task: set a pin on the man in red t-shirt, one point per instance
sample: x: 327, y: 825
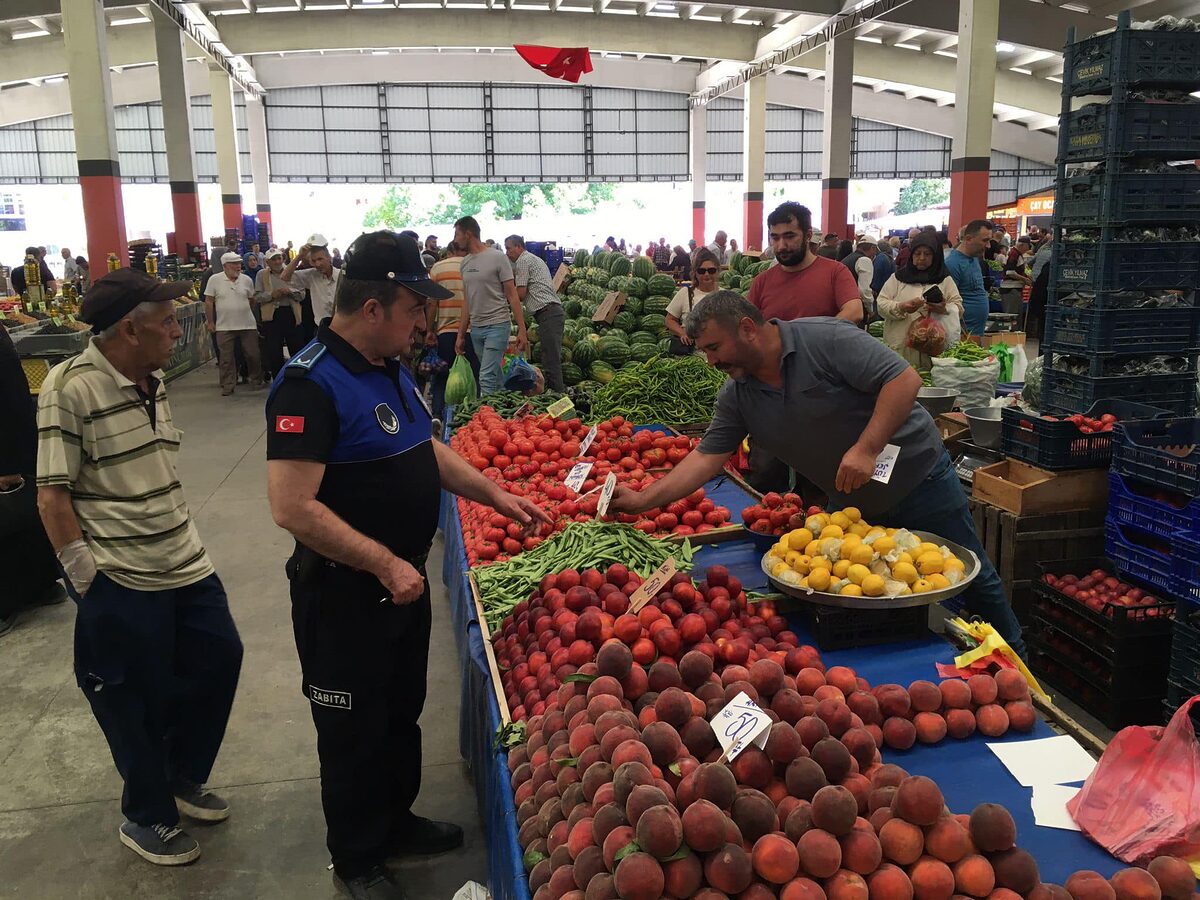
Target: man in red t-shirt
x: 801, y: 284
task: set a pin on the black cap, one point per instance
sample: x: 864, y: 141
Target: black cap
x: 118, y: 293
x: 387, y: 256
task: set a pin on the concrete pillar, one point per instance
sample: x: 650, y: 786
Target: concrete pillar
x: 95, y: 136
x: 975, y: 89
x: 256, y: 122
x: 837, y: 135
x: 177, y: 125
x: 225, y: 135
x: 754, y: 161
x: 698, y: 146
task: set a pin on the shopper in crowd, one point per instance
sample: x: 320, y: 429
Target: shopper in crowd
x: 492, y: 305
x: 922, y: 286
x: 861, y: 264
x: 289, y: 253
x: 320, y: 280
x: 229, y: 314
x: 827, y: 399
x: 41, y: 252
x: 620, y: 248
x: 720, y: 248
x: 535, y: 288
x: 681, y: 264
x: 845, y: 248
x: 256, y: 253
x: 733, y: 247
x: 69, y: 265
x: 359, y: 487
x: 829, y: 246
x: 336, y: 258
x: 430, y: 254
x: 17, y: 274
x: 1001, y: 237
x: 83, y: 274
x: 1043, y: 251
x: 963, y: 263
x: 692, y: 245
x: 32, y: 579
x: 1012, y: 287
x: 662, y: 256
x: 443, y: 319
x: 706, y: 271
x: 884, y: 266
x: 279, y: 307
x: 611, y: 244
x: 157, y: 654
x: 1035, y: 313
x: 637, y: 250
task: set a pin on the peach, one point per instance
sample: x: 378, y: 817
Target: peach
x: 820, y: 853
x: 802, y: 889
x: 607, y: 818
x: 588, y: 864
x: 804, y: 777
x: 728, y: 869
x: 833, y: 758
x: 1089, y: 885
x: 562, y: 881
x: 808, y: 680
x: 697, y: 735
x: 925, y: 696
x: 767, y: 677
x: 683, y: 877
x: 960, y: 723
x: 580, y: 837
x: 1174, y: 876
x: 1134, y: 884
x: 799, y: 820
x: 931, y: 727
x: 641, y: 799
x: 753, y: 767
x: 783, y: 744
x: 673, y: 707
x: 846, y: 885
x: 1045, y: 891
x: 619, y: 838
x: 973, y: 876
x: 614, y: 659
x: 992, y: 720
x: 865, y: 706
x: 754, y: 814
x: 1011, y: 685
x: 932, y: 879
x: 860, y: 787
x: 663, y: 742
x: 628, y: 776
x: 893, y: 700
x: 788, y: 705
x: 898, y: 733
x: 861, y: 745
x: 881, y: 817
x: 983, y: 689
x: 716, y: 783
x: 902, y: 842
x: 834, y: 809
x: 992, y: 828
x: 946, y: 840
x: 889, y: 882
x: 918, y: 800
x: 1020, y: 715
x: 1018, y: 871
x: 956, y: 694
x: 659, y: 831
x: 639, y: 877
x: 703, y: 826
x: 695, y: 668
x: 775, y: 858
x: 861, y: 851
x: 888, y: 775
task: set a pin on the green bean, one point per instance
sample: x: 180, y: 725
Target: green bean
x: 966, y: 351
x: 505, y: 403
x: 666, y: 390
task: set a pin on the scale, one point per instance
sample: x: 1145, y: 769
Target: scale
x: 969, y: 457
x: 998, y: 322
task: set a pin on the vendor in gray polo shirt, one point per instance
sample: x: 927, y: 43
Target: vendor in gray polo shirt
x: 825, y: 397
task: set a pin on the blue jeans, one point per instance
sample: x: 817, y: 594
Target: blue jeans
x: 938, y: 505
x: 490, y: 341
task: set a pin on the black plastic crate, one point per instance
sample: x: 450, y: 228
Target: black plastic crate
x: 1163, y: 452
x: 1113, y: 265
x: 1109, y: 365
x: 1066, y: 394
x: 1133, y: 127
x: 1073, y: 297
x: 834, y: 628
x: 1113, y: 628
x: 1135, y: 705
x: 1071, y: 330
x: 1177, y: 695
x: 1185, y: 654
x: 1058, y: 446
x: 1150, y: 658
x: 1129, y: 197
x: 1132, y: 57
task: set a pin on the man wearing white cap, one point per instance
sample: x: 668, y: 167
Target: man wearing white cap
x: 321, y: 281
x: 229, y: 311
x: 279, y: 306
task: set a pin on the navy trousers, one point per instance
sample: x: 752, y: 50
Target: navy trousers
x: 159, y: 669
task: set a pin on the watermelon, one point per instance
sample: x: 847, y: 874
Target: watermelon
x: 633, y: 305
x: 598, y: 277
x: 583, y: 354
x: 654, y: 323
x: 572, y: 308
x: 601, y: 371
x: 532, y: 334
x: 567, y: 356
x: 726, y: 279
x: 617, y: 334
x: 738, y: 262
x: 620, y: 266
x: 613, y: 350
x: 656, y: 305
x: 643, y: 352
x: 571, y: 374
x: 582, y: 257
x: 661, y: 285
x: 637, y: 287
x: 625, y: 321
x: 664, y: 346
x: 643, y: 267
x: 599, y: 259
x: 642, y: 337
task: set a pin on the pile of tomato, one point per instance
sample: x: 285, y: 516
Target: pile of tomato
x: 777, y: 513
x: 1087, y: 425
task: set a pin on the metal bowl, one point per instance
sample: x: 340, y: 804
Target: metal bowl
x: 985, y: 425
x: 936, y: 400
x: 818, y: 598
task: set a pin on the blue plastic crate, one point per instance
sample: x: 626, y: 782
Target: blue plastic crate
x: 1110, y: 265
x: 1133, y: 128
x: 1155, y: 568
x: 1105, y: 365
x: 1068, y: 296
x: 1065, y: 394
x: 1073, y: 330
x: 1140, y: 451
x: 1128, y: 504
x: 1134, y: 57
x: 1129, y: 197
x: 1185, y: 566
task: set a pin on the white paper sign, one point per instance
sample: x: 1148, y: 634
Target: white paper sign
x: 610, y: 485
x: 741, y: 724
x: 1049, y: 804
x: 885, y: 463
x: 578, y: 475
x: 587, y: 441
x: 1052, y: 760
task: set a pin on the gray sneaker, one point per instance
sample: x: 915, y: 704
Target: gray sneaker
x: 198, y: 802
x: 163, y: 845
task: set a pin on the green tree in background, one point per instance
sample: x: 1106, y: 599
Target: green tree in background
x: 469, y: 200
x: 921, y: 193
x: 394, y: 210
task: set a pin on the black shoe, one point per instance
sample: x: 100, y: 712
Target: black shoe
x: 163, y: 845
x: 53, y: 596
x: 421, y: 836
x: 195, y: 801
x: 377, y: 884
x: 6, y: 624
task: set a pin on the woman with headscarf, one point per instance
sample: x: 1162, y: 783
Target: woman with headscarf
x: 922, y: 285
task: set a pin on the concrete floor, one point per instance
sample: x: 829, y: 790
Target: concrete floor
x: 59, y: 791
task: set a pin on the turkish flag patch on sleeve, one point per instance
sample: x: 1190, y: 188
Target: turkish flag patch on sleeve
x: 289, y: 424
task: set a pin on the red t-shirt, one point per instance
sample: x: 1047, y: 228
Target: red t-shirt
x: 822, y: 289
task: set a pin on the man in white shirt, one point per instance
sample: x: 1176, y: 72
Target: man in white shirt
x: 720, y: 248
x: 229, y: 313
x: 321, y: 281
x: 70, y: 268
x: 862, y: 263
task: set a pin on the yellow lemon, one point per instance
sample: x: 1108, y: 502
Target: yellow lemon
x: 816, y: 523
x: 821, y: 562
x: 904, y: 557
x: 929, y: 563
x: 852, y: 513
x: 905, y: 591
x: 776, y: 552
x: 831, y: 531
x: 804, y: 582
x: 857, y: 573
x: 938, y: 581
x: 818, y: 579
x: 926, y: 547
x: 799, y: 539
x: 840, y: 568
x: 851, y: 590
x: 905, y: 572
x: 840, y: 519
x: 862, y: 529
x: 813, y: 548
x: 890, y: 532
x: 862, y: 554
x: 872, y: 586
x: 850, y: 540
x: 803, y: 564
x: 793, y: 556
x: 921, y: 586
x: 953, y: 563
x: 779, y: 568
x: 883, y: 545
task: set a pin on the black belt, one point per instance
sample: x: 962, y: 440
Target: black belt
x: 308, y: 560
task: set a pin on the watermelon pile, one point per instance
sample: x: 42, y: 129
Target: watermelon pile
x: 742, y: 271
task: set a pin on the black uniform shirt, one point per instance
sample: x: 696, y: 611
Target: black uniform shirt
x: 371, y: 428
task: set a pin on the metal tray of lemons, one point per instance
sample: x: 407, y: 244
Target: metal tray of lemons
x: 838, y: 559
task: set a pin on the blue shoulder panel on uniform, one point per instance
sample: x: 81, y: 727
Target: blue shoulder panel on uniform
x: 308, y: 356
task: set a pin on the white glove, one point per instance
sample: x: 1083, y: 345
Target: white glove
x: 79, y: 564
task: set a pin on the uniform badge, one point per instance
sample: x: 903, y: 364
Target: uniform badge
x: 387, y: 418
x: 308, y: 356
x: 289, y: 424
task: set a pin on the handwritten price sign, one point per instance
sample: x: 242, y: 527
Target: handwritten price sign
x: 606, y: 494
x: 578, y: 475
x: 652, y: 585
x: 741, y: 724
x: 587, y: 441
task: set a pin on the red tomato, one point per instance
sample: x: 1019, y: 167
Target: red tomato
x: 692, y: 518
x: 666, y: 521
x: 772, y: 500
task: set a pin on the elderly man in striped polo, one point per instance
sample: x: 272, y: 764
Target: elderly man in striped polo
x: 156, y: 651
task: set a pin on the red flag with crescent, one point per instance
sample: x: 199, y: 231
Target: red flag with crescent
x: 567, y: 63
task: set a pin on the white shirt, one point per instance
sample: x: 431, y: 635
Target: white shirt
x: 322, y: 290
x: 70, y: 267
x: 680, y: 306
x: 722, y: 255
x: 232, y: 300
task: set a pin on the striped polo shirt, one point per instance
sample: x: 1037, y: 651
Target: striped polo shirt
x: 448, y: 273
x: 96, y: 437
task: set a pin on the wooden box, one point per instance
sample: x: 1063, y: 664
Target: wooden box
x: 1026, y: 490
x: 952, y: 427
x: 1012, y: 338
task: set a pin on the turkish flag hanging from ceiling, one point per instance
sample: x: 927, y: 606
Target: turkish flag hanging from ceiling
x: 567, y: 63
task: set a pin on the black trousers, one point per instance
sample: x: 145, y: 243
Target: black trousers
x: 159, y: 669
x: 364, y: 665
x: 282, y: 329
x: 36, y: 568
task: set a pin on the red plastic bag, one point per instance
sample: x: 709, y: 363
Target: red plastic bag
x: 927, y: 335
x: 1143, y: 798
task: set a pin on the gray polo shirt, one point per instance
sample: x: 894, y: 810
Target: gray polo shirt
x: 832, y: 375
x: 483, y: 276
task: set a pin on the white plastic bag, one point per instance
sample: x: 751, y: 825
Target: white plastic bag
x: 974, y: 382
x: 950, y: 320
x: 1020, y: 363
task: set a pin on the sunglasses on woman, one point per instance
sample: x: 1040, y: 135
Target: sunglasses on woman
x: 707, y: 270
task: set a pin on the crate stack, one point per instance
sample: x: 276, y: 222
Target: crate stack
x: 1121, y: 316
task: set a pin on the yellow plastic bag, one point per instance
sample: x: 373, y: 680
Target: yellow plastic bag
x: 991, y: 642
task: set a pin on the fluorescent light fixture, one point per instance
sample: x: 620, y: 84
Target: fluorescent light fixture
x: 132, y: 20
x: 1075, y: 7
x: 907, y: 46
x: 665, y: 7
x: 1021, y: 71
x: 868, y: 38
x: 1005, y: 47
x: 947, y: 53
x: 373, y: 2
x: 55, y: 79
x: 379, y: 53
x: 1057, y: 79
x: 22, y: 35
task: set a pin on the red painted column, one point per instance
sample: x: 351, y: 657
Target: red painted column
x: 752, y: 219
x: 185, y: 205
x: 264, y: 215
x: 103, y: 212
x: 835, y: 206
x: 968, y: 191
x: 698, y: 222
x: 231, y: 211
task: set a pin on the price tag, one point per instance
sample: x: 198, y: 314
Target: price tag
x: 2, y: 315
x: 55, y: 320
x: 558, y: 407
x: 587, y: 441
x: 610, y: 485
x: 652, y: 585
x: 885, y: 463
x: 741, y: 724
x: 525, y: 409
x: 578, y: 475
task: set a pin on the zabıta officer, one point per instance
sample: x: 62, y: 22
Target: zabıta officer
x: 355, y: 476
